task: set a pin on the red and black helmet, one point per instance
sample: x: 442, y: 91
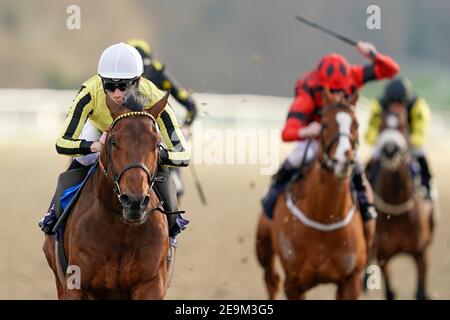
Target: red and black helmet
x: 333, y: 72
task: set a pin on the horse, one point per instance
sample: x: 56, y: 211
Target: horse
x: 317, y: 231
x: 404, y: 223
x: 116, y: 238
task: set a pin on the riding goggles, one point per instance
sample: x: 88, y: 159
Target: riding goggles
x: 121, y: 84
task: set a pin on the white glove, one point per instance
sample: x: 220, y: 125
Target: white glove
x: 311, y: 131
x: 367, y: 49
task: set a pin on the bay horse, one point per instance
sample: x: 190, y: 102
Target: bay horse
x: 115, y: 236
x: 404, y: 224
x: 316, y: 230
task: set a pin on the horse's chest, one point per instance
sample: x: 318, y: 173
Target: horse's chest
x: 122, y: 272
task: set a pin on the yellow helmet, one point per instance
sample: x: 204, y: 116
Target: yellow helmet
x: 141, y: 45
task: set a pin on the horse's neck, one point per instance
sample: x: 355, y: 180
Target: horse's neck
x: 328, y: 197
x: 394, y: 186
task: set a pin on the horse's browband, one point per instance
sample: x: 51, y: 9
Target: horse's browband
x: 131, y: 114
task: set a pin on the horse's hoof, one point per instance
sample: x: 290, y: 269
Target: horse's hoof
x: 390, y: 295
x: 422, y: 296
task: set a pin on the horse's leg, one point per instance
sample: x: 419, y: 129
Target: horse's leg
x: 350, y: 288
x: 49, y: 251
x: 149, y: 290
x: 293, y: 290
x: 266, y: 256
x: 389, y: 294
x: 74, y: 294
x: 421, y: 262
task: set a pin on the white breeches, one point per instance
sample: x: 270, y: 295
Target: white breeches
x: 89, y: 133
x: 296, y: 155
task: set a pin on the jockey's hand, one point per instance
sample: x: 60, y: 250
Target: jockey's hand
x: 163, y: 154
x: 97, y: 146
x: 367, y: 49
x: 311, y: 131
x: 102, y: 139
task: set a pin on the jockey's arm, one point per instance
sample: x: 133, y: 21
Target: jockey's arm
x: 420, y: 119
x: 298, y: 117
x: 166, y: 82
x: 382, y: 67
x: 374, y: 122
x: 176, y: 153
x: 68, y: 142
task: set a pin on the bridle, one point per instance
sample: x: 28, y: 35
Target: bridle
x: 326, y: 162
x: 151, y: 177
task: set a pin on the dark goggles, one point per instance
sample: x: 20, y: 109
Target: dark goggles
x: 121, y: 84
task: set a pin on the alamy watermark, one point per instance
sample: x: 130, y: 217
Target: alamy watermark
x: 373, y: 280
x: 373, y: 21
x: 73, y: 21
x: 236, y: 146
x: 73, y: 277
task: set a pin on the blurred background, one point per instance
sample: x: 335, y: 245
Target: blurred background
x: 242, y: 59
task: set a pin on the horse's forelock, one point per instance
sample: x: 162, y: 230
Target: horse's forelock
x: 133, y: 100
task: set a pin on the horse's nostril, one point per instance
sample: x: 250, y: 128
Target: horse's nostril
x: 390, y: 150
x: 145, y: 202
x: 125, y: 200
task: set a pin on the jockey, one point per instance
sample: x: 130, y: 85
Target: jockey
x: 399, y: 92
x: 120, y: 67
x: 303, y: 120
x: 157, y: 73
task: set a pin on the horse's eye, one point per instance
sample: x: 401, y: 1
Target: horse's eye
x: 113, y: 142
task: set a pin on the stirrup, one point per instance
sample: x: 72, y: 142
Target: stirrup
x: 48, y: 222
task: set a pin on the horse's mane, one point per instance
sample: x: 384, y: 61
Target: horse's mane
x: 134, y: 100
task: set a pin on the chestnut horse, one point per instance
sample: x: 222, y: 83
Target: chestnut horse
x: 115, y: 237
x: 317, y: 230
x: 404, y: 224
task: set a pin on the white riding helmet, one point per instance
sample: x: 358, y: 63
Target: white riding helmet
x: 120, y: 61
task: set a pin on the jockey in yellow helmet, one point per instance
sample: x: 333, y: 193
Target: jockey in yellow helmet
x: 120, y: 68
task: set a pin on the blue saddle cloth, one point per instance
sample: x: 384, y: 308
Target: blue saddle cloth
x: 69, y: 194
x: 68, y: 198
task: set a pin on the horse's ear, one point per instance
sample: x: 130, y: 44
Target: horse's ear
x: 114, y: 109
x: 353, y: 98
x: 159, y: 106
x: 327, y: 97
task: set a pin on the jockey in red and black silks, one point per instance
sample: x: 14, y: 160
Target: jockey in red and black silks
x: 335, y: 74
x: 338, y: 75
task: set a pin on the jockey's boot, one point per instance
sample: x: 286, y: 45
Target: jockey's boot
x: 430, y: 192
x: 279, y: 180
x: 48, y: 222
x: 166, y: 189
x: 368, y: 213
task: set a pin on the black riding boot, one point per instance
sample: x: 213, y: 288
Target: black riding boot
x: 279, y: 180
x: 366, y: 207
x: 425, y: 177
x: 359, y: 183
x: 168, y: 194
x: 48, y: 222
